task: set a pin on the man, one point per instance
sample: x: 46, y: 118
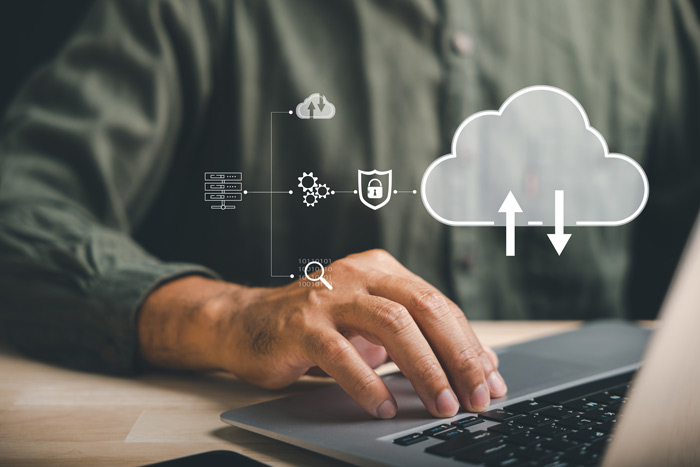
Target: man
x: 109, y: 255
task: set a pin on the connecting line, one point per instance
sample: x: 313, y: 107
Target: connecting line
x: 291, y: 276
x: 246, y: 192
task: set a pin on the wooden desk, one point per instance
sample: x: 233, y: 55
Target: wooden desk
x: 53, y: 416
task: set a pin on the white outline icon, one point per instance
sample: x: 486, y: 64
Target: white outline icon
x: 316, y: 107
x: 312, y: 191
x: 222, y: 187
x: 498, y: 113
x: 319, y: 278
x: 519, y: 134
x: 361, y: 188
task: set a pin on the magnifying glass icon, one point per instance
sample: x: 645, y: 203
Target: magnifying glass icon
x: 319, y: 278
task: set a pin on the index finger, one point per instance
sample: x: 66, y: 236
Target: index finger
x: 447, y: 331
x: 335, y: 355
x: 489, y: 359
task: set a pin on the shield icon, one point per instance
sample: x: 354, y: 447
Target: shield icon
x: 374, y: 188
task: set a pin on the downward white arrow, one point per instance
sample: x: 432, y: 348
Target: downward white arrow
x: 559, y: 239
x: 510, y: 206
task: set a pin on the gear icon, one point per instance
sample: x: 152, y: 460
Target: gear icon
x: 322, y: 190
x: 310, y: 199
x: 307, y: 182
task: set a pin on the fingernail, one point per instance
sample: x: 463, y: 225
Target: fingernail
x: 386, y: 409
x: 480, y: 398
x: 447, y: 404
x: 496, y: 384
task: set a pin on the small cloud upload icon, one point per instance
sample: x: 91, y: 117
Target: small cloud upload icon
x: 316, y: 106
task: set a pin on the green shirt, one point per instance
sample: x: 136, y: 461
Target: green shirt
x: 103, y: 153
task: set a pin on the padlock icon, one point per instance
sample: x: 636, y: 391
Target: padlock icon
x: 375, y: 191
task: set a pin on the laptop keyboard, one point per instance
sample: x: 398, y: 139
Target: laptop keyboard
x: 565, y: 428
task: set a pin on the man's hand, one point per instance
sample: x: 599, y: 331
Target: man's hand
x: 270, y: 337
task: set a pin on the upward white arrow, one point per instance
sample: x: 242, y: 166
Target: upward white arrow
x: 559, y: 239
x: 510, y: 206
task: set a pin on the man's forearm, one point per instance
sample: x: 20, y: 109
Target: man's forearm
x: 179, y: 321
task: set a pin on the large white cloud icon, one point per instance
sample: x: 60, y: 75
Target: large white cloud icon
x: 539, y: 142
x: 315, y: 106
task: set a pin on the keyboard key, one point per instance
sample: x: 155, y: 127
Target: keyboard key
x: 552, y: 431
x: 577, y: 392
x: 508, y: 428
x: 576, y: 423
x: 582, y: 405
x: 605, y: 398
x: 437, y: 429
x: 460, y: 443
x: 534, y: 453
x: 562, y: 444
x: 467, y: 421
x: 620, y: 390
x: 526, y: 407
x: 601, y: 415
x: 558, y: 412
x: 499, y: 415
x: 588, y: 435
x: 600, y: 444
x: 557, y: 462
x: 526, y: 438
x: 482, y: 453
x: 584, y: 455
x: 451, y: 433
x: 535, y: 420
x: 507, y: 461
x: 606, y: 427
x: 413, y: 438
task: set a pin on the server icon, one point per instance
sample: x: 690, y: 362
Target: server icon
x: 223, y: 187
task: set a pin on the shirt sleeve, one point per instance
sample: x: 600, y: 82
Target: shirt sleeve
x: 84, y: 150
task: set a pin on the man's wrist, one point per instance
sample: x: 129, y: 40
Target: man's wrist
x: 178, y: 323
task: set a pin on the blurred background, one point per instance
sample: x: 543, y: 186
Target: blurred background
x: 31, y: 32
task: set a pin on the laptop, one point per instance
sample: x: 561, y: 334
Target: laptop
x: 577, y: 398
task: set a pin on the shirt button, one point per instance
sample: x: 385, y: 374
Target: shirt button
x: 465, y: 263
x: 462, y: 43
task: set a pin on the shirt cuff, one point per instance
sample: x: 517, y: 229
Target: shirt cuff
x: 122, y: 291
